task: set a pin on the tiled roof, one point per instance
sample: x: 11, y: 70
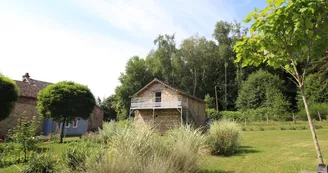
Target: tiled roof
x: 167, y: 85
x: 31, y: 87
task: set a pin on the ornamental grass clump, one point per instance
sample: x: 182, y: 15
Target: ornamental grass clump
x: 139, y: 149
x: 224, y: 137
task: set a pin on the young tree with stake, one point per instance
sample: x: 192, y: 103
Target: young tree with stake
x: 289, y: 34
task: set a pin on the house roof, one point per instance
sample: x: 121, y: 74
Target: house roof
x: 30, y: 87
x: 167, y: 85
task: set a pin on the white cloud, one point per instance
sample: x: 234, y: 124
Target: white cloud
x: 142, y: 19
x: 51, y: 52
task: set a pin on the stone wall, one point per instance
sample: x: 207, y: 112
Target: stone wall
x: 96, y: 119
x: 161, y: 119
x: 167, y: 94
x: 22, y: 105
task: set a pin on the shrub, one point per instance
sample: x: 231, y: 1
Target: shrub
x: 140, y: 149
x: 183, y: 145
x: 212, y: 114
x: 233, y: 115
x: 11, y: 153
x: 224, y: 137
x: 314, y: 109
x: 283, y: 128
x: 75, y: 156
x: 41, y: 163
x: 24, y: 134
x: 111, y: 128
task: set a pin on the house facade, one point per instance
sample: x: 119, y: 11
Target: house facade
x: 166, y: 107
x: 26, y: 104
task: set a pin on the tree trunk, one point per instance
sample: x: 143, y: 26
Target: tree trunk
x: 216, y: 100
x: 195, y: 82
x: 294, y: 120
x: 225, y: 85
x: 62, y: 131
x: 319, y: 115
x: 314, y: 135
x: 267, y: 117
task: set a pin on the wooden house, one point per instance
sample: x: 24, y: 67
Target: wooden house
x: 165, y: 106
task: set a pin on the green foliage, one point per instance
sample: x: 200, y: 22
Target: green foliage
x: 107, y: 106
x: 262, y: 94
x: 41, y: 163
x: 209, y: 101
x: 11, y: 153
x: 65, y: 102
x: 25, y: 134
x: 9, y: 93
x: 314, y: 109
x: 74, y: 157
x: 224, y: 137
x: 314, y: 91
x: 212, y: 114
x: 233, y: 115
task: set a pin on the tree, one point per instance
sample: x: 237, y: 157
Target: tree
x: 263, y: 90
x: 136, y: 76
x: 287, y: 34
x: 107, y: 107
x: 64, y: 102
x: 9, y: 93
x: 226, y: 34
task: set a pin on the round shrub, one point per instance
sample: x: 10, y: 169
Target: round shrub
x: 224, y: 137
x: 9, y: 93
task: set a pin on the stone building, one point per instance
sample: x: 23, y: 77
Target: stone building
x: 26, y: 104
x: 165, y: 106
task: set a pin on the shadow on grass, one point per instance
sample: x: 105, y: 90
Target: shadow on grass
x: 246, y: 150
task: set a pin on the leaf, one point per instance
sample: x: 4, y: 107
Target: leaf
x: 279, y: 2
x: 308, y: 24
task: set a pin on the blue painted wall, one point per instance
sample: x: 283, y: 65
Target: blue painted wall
x: 49, y: 127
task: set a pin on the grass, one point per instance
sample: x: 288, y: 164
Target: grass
x: 55, y: 148
x: 277, y: 125
x: 284, y: 151
x: 270, y: 151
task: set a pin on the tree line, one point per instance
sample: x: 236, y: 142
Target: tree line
x: 199, y: 66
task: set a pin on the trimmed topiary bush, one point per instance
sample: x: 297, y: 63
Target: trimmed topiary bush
x: 224, y: 137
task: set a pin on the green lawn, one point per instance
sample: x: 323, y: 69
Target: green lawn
x: 262, y: 151
x: 55, y: 148
x: 271, y: 151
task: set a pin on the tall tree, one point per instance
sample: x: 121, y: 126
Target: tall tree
x: 107, y: 106
x: 9, y: 93
x: 226, y: 34
x: 64, y: 102
x: 136, y: 76
x: 287, y: 34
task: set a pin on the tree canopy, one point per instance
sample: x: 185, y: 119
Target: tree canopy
x: 65, y: 101
x: 9, y: 93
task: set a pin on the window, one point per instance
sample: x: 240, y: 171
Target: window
x: 158, y: 96
x: 75, y: 123
x: 67, y: 125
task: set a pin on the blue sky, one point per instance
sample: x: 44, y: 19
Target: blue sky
x: 89, y: 41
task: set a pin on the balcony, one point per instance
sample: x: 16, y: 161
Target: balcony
x: 137, y: 103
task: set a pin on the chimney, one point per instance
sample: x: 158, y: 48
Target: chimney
x: 26, y: 77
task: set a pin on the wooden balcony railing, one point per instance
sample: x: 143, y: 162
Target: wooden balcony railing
x: 142, y: 104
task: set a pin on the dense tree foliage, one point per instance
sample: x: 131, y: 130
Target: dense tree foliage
x: 65, y: 102
x: 9, y: 93
x: 107, y: 106
x: 263, y: 90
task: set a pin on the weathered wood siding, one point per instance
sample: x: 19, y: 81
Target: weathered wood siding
x: 197, y: 110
